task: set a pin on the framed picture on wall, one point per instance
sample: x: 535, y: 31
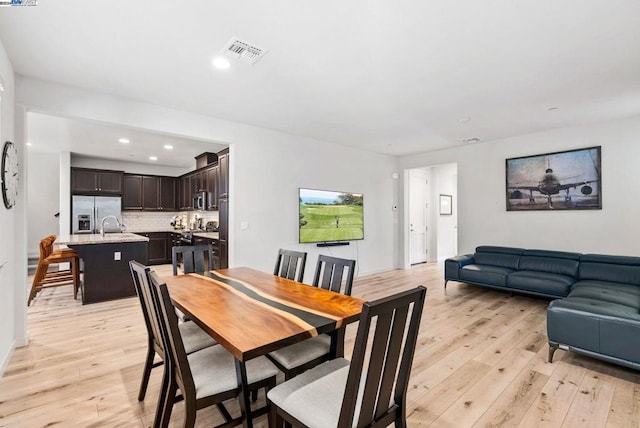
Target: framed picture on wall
x: 569, y: 180
x: 446, y: 205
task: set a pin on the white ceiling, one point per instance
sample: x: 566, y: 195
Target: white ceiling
x: 389, y: 76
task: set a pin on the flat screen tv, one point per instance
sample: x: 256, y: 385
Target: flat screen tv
x: 330, y: 216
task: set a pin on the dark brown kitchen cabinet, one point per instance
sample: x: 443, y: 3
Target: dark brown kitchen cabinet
x: 223, y: 183
x: 198, y: 181
x: 158, y: 248
x: 151, y: 193
x: 168, y: 193
x: 186, y: 193
x: 223, y: 220
x: 211, y: 180
x: 132, y: 195
x: 86, y: 181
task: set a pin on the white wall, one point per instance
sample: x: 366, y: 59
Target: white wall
x: 266, y: 169
x: 482, y: 215
x: 43, y: 188
x: 13, y: 271
x: 268, y: 175
x: 444, y: 179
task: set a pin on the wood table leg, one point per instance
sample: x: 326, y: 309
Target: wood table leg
x: 337, y: 343
x: 244, y: 397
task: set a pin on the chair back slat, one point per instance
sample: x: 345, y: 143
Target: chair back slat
x: 46, y: 246
x: 331, y: 270
x: 390, y: 360
x: 195, y: 258
x: 290, y: 264
x: 395, y: 338
x: 140, y: 275
x: 172, y: 339
x: 376, y: 364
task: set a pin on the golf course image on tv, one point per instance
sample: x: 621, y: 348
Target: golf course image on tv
x: 328, y: 216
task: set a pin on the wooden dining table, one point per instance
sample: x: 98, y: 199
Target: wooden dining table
x: 252, y: 313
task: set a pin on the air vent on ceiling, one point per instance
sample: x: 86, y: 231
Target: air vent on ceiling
x: 243, y: 51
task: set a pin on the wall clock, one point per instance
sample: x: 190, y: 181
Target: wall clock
x: 9, y: 174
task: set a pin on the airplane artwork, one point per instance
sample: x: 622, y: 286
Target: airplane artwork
x: 580, y: 169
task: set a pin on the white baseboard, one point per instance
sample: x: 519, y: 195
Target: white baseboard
x: 5, y: 360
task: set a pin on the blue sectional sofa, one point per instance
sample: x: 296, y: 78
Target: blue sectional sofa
x: 537, y: 272
x: 596, y: 306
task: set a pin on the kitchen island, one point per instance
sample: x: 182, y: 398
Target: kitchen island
x: 104, y: 261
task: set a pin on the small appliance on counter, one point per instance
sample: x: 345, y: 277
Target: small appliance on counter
x: 211, y: 226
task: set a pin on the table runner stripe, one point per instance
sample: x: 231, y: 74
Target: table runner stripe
x: 293, y: 313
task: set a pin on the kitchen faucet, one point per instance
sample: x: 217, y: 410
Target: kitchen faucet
x: 106, y: 217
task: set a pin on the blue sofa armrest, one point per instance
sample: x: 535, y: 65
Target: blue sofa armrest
x: 454, y: 264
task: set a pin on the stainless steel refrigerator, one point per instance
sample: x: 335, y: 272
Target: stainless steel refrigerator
x: 87, y: 213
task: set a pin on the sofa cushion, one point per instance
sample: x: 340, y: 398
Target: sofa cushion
x: 625, y: 270
x: 500, y: 250
x: 541, y: 282
x: 506, y: 257
x: 482, y: 274
x: 612, y: 292
x: 550, y: 261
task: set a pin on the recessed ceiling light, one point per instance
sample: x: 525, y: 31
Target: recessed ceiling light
x: 464, y: 119
x: 29, y: 144
x: 221, y: 63
x: 153, y: 158
x: 124, y: 140
x: 168, y: 147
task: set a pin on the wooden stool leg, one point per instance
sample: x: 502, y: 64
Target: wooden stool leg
x: 37, y: 280
x: 75, y: 269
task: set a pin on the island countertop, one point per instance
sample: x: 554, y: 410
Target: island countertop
x: 108, y: 238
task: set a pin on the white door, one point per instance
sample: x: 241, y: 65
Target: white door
x: 418, y: 216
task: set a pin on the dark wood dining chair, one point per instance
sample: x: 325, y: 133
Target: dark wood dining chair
x: 302, y: 356
x: 330, y: 272
x: 44, y: 277
x: 193, y: 336
x: 195, y: 258
x: 290, y: 264
x: 205, y: 377
x: 370, y: 390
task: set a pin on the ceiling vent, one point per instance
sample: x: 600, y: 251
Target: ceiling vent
x: 243, y: 51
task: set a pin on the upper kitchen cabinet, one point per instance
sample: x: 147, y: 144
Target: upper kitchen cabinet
x: 211, y: 180
x: 85, y: 181
x: 186, y: 193
x: 168, y: 193
x: 149, y: 193
x: 132, y: 196
x: 223, y: 182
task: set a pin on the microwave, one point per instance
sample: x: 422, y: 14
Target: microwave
x: 200, y: 200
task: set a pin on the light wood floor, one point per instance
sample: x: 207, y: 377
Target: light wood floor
x: 481, y: 361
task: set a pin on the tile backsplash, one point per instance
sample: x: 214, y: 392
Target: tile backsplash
x: 149, y: 221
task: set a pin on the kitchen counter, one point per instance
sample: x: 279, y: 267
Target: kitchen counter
x: 210, y: 235
x: 108, y: 238
x: 199, y: 233
x: 105, y: 263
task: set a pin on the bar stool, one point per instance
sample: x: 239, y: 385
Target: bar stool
x: 44, y: 278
